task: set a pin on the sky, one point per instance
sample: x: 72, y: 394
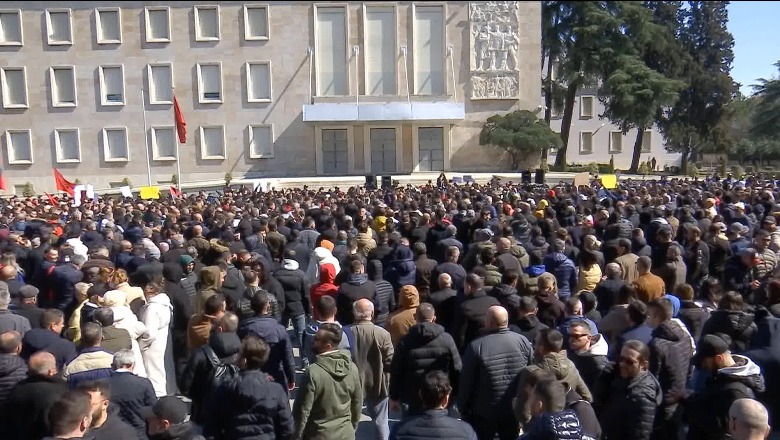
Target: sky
x: 756, y: 30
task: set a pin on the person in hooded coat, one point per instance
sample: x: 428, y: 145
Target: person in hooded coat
x: 182, y: 311
x: 563, y: 268
x: 731, y: 319
x: 400, y: 269
x: 296, y: 303
x: 404, y: 318
x: 124, y: 318
x: 157, y: 355
x: 324, y: 287
x: 356, y: 287
x: 210, y: 284
x: 385, y: 294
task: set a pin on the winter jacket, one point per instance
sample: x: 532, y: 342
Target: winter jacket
x: 199, y: 329
x: 708, y: 410
x: 563, y: 425
x: 124, y: 318
x: 627, y: 264
x: 693, y: 317
x: 373, y: 355
x: 280, y: 364
x: 697, y: 262
x: 158, y: 357
x: 27, y: 407
x: 455, y: 271
x: 183, y: 307
x: 565, y: 273
x: 113, y: 428
x: 606, y: 293
x: 252, y: 407
x: 588, y: 278
x: 470, y: 319
x: 628, y: 406
x: 195, y: 378
x: 491, y: 274
x: 591, y: 363
x: 308, y: 340
x: 424, y: 275
x: 471, y: 259
x: 293, y: 281
x: 550, y: 309
x: 116, y: 339
x: 737, y: 277
x: 528, y: 326
x: 385, y: 295
x: 506, y: 261
x: 670, y: 355
x: 739, y: 326
x: 10, y: 321
x: 433, y: 424
x: 491, y: 366
x: 210, y: 284
x: 443, y: 302
x: 507, y: 296
x: 672, y: 273
x: 564, y: 370
x: 400, y: 269
x: 356, y: 287
x: 329, y: 399
x: 91, y: 364
x: 32, y: 312
x: 13, y: 370
x: 130, y: 394
x: 642, y: 333
x: 325, y: 287
x: 425, y: 348
x: 614, y: 323
x: 591, y: 429
x: 649, y: 287
x: 404, y: 318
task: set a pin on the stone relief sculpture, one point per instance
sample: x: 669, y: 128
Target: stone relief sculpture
x: 494, y: 50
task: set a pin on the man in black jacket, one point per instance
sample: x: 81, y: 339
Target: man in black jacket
x: 13, y: 368
x: 106, y: 423
x: 451, y: 267
x: 356, y: 287
x: 130, y: 394
x: 65, y: 279
x: 526, y: 323
x: 434, y: 423
x: 48, y: 338
x: 425, y: 348
x: 491, y: 368
x: 296, y: 303
x: 443, y: 301
x: 424, y: 273
x: 28, y: 306
x: 470, y: 318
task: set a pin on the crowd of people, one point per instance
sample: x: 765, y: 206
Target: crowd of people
x: 469, y: 311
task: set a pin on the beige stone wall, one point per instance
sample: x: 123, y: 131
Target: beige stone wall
x: 290, y: 35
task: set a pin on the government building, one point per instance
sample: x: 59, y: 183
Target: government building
x: 275, y: 89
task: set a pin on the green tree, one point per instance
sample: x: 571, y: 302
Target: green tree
x: 520, y: 133
x: 766, y: 114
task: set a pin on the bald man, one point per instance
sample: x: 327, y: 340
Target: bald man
x: 505, y: 261
x: 748, y: 420
x: 490, y: 364
x: 373, y: 355
x: 29, y: 401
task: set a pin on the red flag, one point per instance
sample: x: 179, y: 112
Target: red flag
x: 175, y: 193
x: 181, y: 126
x: 2, y: 179
x: 52, y: 200
x: 62, y: 184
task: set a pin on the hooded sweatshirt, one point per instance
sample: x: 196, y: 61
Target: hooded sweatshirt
x: 403, y: 319
x: 210, y: 285
x: 590, y: 363
x: 329, y: 400
x: 325, y: 287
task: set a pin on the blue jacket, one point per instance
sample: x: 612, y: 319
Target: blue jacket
x: 565, y: 273
x: 280, y: 364
x: 43, y: 339
x: 401, y: 269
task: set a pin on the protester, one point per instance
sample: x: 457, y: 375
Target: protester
x: 106, y: 423
x: 92, y: 362
x: 13, y: 369
x: 748, y: 420
x: 130, y: 394
x: 71, y: 416
x: 167, y: 420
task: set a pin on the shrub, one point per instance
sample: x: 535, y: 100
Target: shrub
x: 737, y: 171
x: 693, y: 170
x: 28, y: 190
x: 126, y: 182
x: 228, y: 178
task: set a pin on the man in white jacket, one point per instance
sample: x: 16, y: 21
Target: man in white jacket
x: 157, y: 355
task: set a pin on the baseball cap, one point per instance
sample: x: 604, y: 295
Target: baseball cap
x: 169, y: 408
x: 709, y: 346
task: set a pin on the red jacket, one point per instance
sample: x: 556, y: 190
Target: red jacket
x: 325, y: 287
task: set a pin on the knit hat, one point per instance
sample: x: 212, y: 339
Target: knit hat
x: 327, y: 245
x: 185, y: 260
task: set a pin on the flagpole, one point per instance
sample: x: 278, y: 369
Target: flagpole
x: 178, y: 158
x: 146, y: 139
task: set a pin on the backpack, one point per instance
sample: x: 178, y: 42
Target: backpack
x: 221, y: 373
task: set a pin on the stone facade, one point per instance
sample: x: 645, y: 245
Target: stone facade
x: 297, y: 146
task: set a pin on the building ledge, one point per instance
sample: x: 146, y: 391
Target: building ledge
x: 386, y: 111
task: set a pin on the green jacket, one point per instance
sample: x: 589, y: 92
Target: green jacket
x: 329, y: 400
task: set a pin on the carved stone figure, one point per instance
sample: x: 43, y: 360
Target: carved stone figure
x: 494, y: 47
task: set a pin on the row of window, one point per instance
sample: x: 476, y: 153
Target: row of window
x: 587, y: 108
x: 116, y: 148
x: 111, y: 78
x: 615, y: 142
x: 157, y: 24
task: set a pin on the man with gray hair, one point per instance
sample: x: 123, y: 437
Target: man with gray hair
x: 373, y: 355
x: 10, y: 321
x: 748, y: 420
x: 130, y: 393
x: 443, y: 302
x: 607, y: 290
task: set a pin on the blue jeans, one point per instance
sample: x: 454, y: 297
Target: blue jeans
x: 378, y: 411
x: 299, y: 326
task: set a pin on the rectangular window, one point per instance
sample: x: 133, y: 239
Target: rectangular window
x: 381, y: 56
x: 158, y: 24
x: 212, y: 142
x: 58, y: 27
x: 258, y: 76
x: 256, y: 22
x: 615, y: 142
x: 331, y: 50
x: 163, y: 143
x: 160, y: 85
x: 63, y: 86
x: 335, y: 156
x: 261, y: 141
x: 206, y: 23
x: 14, y: 87
x: 112, y: 85
x: 430, y: 144
x: 428, y: 50
x: 108, y: 25
x: 19, y: 146
x: 586, y: 142
x: 586, y: 107
x: 115, y: 144
x: 209, y: 83
x: 647, y: 138
x: 11, y: 27
x: 67, y: 144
